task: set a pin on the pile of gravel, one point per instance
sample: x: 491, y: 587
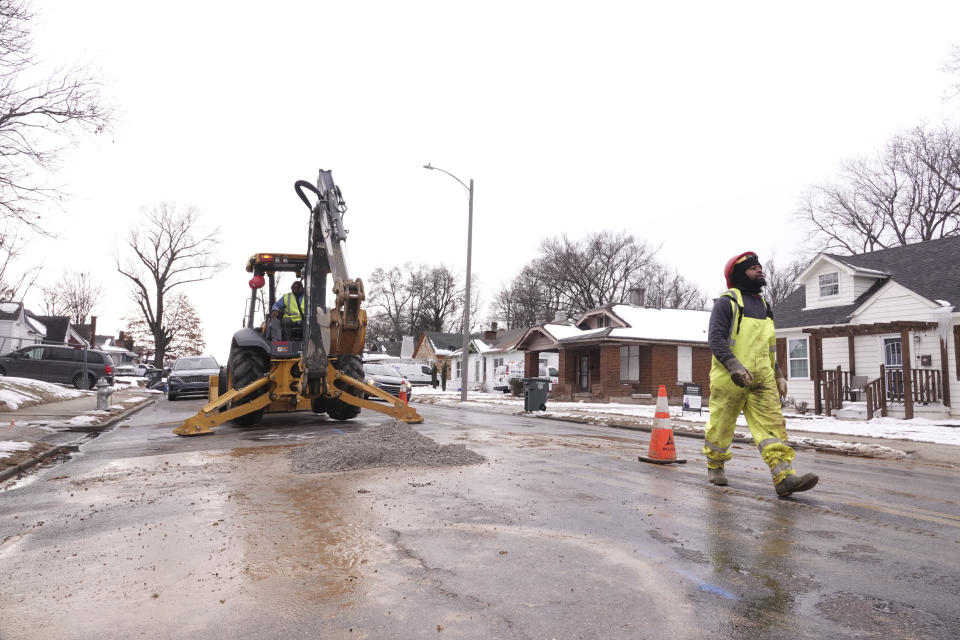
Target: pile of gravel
x: 391, y: 444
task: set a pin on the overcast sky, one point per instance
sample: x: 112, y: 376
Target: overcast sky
x: 696, y: 126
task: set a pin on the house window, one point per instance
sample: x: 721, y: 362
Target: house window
x: 459, y: 364
x: 630, y: 364
x: 798, y: 358
x: 684, y: 364
x: 497, y: 362
x: 829, y: 285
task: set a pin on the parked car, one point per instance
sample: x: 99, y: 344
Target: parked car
x: 131, y: 369
x: 385, y: 377
x: 190, y: 375
x: 58, y: 364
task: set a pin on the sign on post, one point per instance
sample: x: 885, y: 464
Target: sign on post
x: 692, y: 397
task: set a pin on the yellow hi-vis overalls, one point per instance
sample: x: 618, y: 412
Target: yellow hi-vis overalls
x: 291, y: 308
x: 754, y: 343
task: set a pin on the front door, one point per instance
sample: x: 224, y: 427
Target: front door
x: 583, y: 373
x: 893, y: 363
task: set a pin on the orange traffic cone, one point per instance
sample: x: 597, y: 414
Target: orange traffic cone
x: 403, y: 394
x: 662, y: 450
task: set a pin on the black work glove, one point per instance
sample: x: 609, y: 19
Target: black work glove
x: 738, y: 373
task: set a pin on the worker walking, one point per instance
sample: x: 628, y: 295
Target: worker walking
x: 744, y: 376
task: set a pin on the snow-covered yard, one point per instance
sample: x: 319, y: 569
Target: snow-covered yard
x: 16, y: 393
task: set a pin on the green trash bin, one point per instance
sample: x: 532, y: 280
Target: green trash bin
x: 535, y: 391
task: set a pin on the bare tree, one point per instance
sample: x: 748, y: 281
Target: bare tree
x: 74, y: 295
x: 166, y: 251
x: 41, y: 113
x: 780, y: 281
x: 14, y: 284
x: 591, y: 272
x: 667, y: 289
x: 907, y: 193
x: 576, y: 276
x: 526, y: 301
x: 186, y: 333
x: 411, y: 299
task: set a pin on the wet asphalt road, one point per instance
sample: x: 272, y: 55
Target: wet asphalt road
x: 561, y: 534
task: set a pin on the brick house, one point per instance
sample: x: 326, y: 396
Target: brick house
x: 624, y: 352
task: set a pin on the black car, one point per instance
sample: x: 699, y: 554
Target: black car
x: 191, y: 375
x: 58, y: 364
x: 387, y: 378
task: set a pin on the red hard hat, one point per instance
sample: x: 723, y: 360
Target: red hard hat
x: 728, y: 269
x: 256, y: 282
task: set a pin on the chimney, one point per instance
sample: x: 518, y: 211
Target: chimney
x: 493, y: 325
x: 636, y: 296
x: 559, y: 318
x: 491, y: 333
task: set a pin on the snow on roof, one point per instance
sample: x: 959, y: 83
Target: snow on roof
x: 942, y: 303
x: 561, y: 331
x: 9, y: 307
x: 688, y: 325
x: 36, y: 325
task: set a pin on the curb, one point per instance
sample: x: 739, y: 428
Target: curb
x: 71, y: 447
x: 631, y: 426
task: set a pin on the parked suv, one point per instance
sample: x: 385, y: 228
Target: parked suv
x: 58, y: 364
x: 191, y: 375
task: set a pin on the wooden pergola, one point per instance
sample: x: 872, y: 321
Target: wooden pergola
x: 902, y: 327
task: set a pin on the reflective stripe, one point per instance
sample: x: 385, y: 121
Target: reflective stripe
x: 780, y: 468
x: 763, y: 444
x: 715, y: 448
x: 773, y: 349
x: 733, y: 342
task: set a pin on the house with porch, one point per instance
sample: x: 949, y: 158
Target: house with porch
x: 624, y: 352
x: 875, y: 333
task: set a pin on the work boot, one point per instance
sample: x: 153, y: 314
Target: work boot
x: 793, y: 483
x: 716, y: 476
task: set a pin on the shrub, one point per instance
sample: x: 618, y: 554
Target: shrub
x: 801, y: 407
x: 516, y: 387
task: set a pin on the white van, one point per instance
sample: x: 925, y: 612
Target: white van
x: 416, y: 373
x: 503, y: 374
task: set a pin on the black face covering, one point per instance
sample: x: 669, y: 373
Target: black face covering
x: 743, y: 282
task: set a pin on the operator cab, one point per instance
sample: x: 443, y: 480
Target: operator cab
x: 285, y: 338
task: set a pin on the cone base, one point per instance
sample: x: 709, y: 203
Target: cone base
x: 661, y: 460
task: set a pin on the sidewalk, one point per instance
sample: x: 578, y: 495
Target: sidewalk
x: 932, y: 441
x: 30, y: 433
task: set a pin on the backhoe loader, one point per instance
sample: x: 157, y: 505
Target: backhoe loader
x: 314, y: 365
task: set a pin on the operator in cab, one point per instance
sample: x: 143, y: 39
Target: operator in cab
x: 289, y: 311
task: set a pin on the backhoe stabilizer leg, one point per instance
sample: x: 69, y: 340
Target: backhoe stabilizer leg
x: 395, y: 408
x: 210, y: 415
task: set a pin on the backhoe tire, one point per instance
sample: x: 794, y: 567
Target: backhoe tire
x: 245, y: 365
x: 338, y: 409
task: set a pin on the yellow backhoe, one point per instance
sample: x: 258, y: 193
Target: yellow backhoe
x: 311, y: 365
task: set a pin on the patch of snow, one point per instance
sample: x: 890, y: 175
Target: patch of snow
x: 135, y: 399
x: 8, y: 446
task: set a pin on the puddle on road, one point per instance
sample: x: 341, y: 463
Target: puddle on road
x: 183, y: 539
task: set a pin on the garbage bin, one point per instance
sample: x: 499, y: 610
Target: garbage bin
x: 535, y: 392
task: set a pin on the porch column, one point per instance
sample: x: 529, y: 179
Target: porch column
x: 945, y: 372
x: 907, y: 375
x: 815, y: 371
x: 851, y: 356
x: 531, y: 364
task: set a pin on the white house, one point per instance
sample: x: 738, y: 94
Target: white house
x: 882, y: 323
x: 18, y: 328
x: 494, y: 349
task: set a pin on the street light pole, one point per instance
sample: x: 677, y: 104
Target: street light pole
x: 465, y: 357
